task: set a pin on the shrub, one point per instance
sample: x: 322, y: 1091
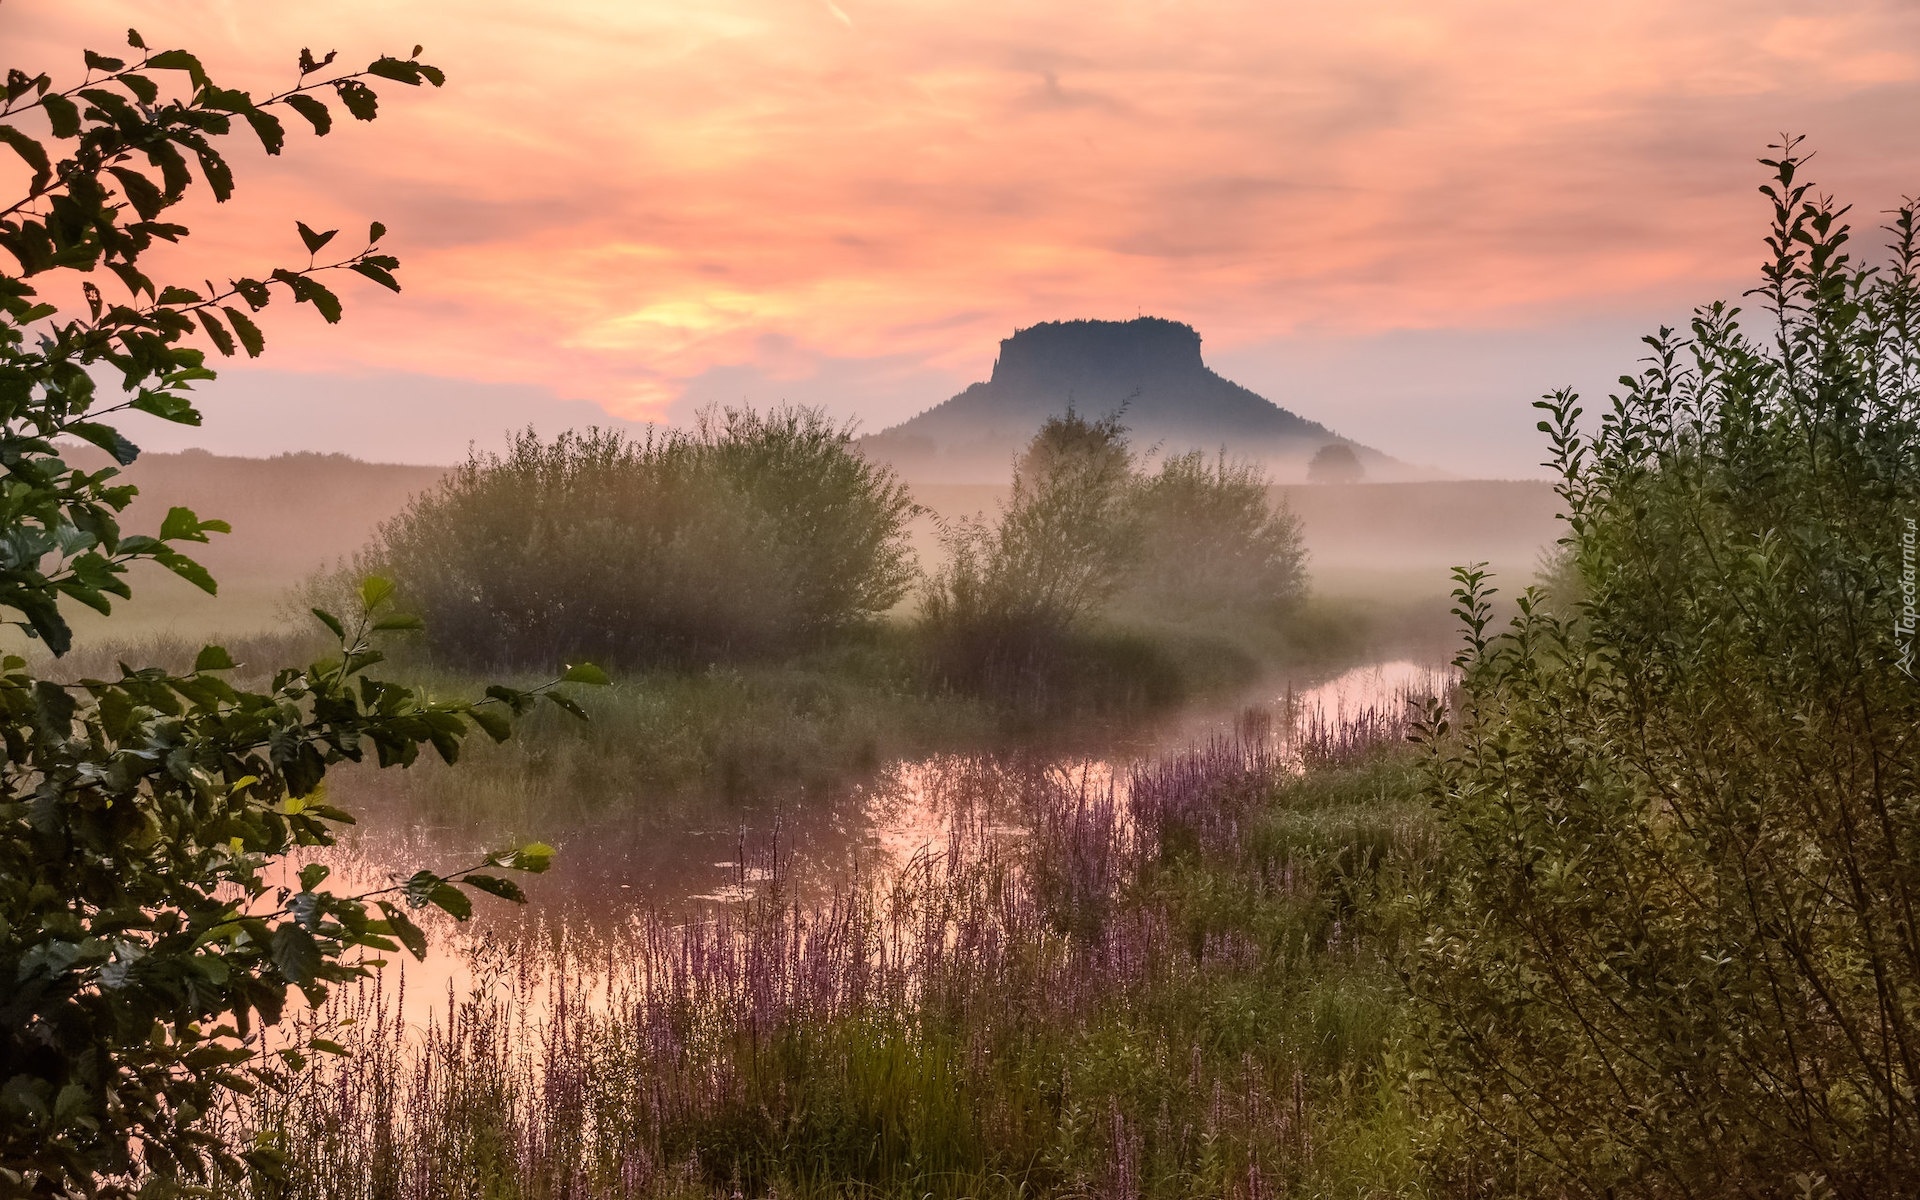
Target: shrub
x: 1086, y: 535
x: 1212, y: 545
x: 750, y: 533
x: 150, y: 921
x: 1335, y: 462
x: 1677, y: 953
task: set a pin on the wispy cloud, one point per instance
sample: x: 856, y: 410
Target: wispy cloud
x: 617, y: 201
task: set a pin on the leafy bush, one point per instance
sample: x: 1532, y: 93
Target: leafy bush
x: 1087, y: 535
x: 752, y: 532
x: 1677, y: 954
x: 149, y: 922
x: 1213, y: 546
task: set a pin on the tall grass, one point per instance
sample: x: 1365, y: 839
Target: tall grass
x: 1170, y: 982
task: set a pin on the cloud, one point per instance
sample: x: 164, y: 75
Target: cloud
x: 624, y: 203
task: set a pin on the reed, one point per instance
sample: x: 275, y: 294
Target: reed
x: 1167, y: 980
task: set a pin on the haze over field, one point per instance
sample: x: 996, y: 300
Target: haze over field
x: 638, y: 209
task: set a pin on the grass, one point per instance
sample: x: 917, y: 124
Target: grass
x: 1180, y: 985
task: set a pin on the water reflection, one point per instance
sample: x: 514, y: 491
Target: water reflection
x: 694, y: 855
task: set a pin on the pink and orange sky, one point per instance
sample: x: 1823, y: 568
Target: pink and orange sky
x: 1404, y: 219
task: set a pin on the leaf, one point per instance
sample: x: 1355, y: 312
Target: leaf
x: 134, y: 40
x: 313, y: 875
x: 62, y: 113
x: 190, y: 571
x: 359, y: 99
x: 379, y: 275
x: 375, y: 232
x: 496, y: 725
x: 267, y: 127
x: 451, y: 899
x: 30, y: 150
x: 567, y: 705
x: 295, y: 953
x: 181, y: 525
x: 534, y: 858
x: 251, y: 339
x: 179, y: 60
x: 585, y: 673
x: 107, y: 438
x: 222, y: 340
x: 493, y: 885
x: 315, y: 242
x: 397, y: 69
x: 213, y: 658
x: 375, y: 590
x: 100, y: 62
x: 410, y: 935
x: 331, y: 622
x: 315, y: 111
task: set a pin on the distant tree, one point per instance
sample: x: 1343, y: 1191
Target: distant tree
x: 145, y: 936
x: 1335, y: 462
x: 1677, y: 953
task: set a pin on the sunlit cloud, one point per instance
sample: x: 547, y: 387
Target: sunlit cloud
x: 623, y: 202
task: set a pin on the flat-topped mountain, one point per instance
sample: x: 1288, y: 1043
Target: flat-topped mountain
x: 1148, y: 369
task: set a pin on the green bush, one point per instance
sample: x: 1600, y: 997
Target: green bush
x: 1087, y: 537
x: 1677, y: 953
x: 151, y: 924
x: 754, y: 532
x: 1212, y: 546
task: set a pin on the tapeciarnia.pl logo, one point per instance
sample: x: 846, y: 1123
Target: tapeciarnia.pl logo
x: 1904, y: 623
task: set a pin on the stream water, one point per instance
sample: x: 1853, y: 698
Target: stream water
x: 688, y: 857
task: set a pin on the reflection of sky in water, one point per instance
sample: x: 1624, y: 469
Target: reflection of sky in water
x: 690, y: 857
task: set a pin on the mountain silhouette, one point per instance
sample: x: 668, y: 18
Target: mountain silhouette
x: 1149, y: 370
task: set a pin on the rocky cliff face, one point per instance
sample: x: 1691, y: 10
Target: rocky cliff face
x: 1149, y: 370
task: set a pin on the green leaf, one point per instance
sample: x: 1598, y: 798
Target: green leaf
x: 107, y: 438
x: 267, y: 127
x: 567, y: 705
x: 62, y: 113
x: 585, y: 673
x: 179, y: 60
x: 181, y: 525
x: 213, y: 658
x: 30, y: 150
x: 313, y: 875
x: 359, y: 99
x: 315, y: 111
x: 497, y: 725
x: 534, y: 858
x: 331, y: 622
x: 251, y: 339
x: 375, y: 590
x: 379, y: 275
x: 295, y: 953
x: 315, y: 242
x: 493, y: 885
x: 190, y: 571
x: 452, y: 900
x: 222, y: 340
x: 402, y: 927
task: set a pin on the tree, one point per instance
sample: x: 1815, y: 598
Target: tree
x: 142, y: 948
x: 1677, y: 953
x: 1335, y: 462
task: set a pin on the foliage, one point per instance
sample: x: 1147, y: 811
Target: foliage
x: 752, y: 532
x: 1213, y: 546
x: 1335, y: 462
x: 1676, y: 955
x: 142, y: 944
x: 1087, y: 535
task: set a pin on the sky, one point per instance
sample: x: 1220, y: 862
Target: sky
x: 1405, y: 219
